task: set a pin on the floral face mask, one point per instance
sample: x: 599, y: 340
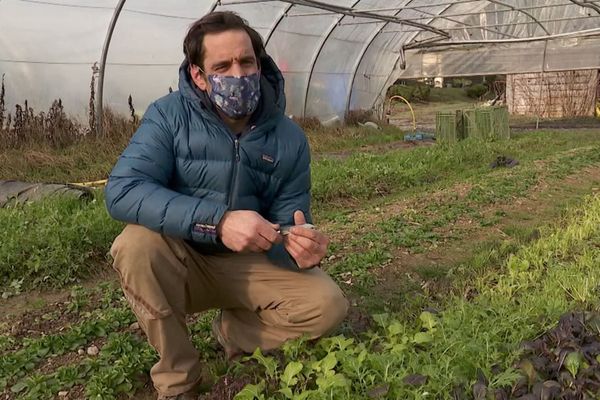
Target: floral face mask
x: 236, y: 96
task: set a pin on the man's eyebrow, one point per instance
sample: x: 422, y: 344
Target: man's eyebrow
x: 221, y: 63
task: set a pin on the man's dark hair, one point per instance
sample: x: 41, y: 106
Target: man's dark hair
x: 217, y: 22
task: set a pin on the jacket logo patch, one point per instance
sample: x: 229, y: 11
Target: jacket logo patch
x: 205, y: 228
x: 268, y: 158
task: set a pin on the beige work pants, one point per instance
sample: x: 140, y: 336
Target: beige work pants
x: 263, y: 305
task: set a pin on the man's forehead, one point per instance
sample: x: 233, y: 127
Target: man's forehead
x: 227, y: 45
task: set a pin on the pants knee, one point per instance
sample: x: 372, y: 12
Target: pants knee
x: 136, y: 250
x: 135, y: 239
x: 334, y: 308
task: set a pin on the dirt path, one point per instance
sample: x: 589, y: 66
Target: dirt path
x: 425, y: 273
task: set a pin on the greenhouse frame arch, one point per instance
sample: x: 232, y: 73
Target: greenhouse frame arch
x: 336, y: 55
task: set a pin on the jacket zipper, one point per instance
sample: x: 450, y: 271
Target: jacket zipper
x: 233, y: 184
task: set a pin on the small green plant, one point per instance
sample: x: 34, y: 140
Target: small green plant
x: 461, y: 82
x: 18, y: 363
x: 476, y: 91
x: 416, y: 92
x: 401, y: 90
x: 78, y: 299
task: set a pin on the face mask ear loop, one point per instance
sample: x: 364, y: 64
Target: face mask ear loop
x: 199, y: 69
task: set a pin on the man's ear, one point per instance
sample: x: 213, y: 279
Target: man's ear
x: 198, y: 77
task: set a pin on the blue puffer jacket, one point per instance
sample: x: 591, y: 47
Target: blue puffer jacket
x: 184, y: 168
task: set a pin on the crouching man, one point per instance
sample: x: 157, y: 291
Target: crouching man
x: 209, y: 185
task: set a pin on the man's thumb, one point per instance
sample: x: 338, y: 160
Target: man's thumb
x: 299, y: 218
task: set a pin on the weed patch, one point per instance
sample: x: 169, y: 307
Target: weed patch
x: 54, y: 242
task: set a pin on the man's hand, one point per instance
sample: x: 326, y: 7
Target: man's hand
x: 247, y: 231
x: 307, y: 246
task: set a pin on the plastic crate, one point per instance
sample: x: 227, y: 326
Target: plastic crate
x: 484, y: 119
x: 501, y: 127
x: 488, y: 123
x: 445, y: 127
x: 470, y: 124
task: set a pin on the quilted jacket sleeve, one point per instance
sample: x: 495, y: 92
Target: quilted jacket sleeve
x: 294, y: 193
x: 138, y: 187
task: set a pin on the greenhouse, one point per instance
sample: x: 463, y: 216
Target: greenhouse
x: 336, y: 56
x: 399, y: 200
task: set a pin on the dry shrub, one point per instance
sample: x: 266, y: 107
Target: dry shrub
x: 2, y: 104
x: 92, y: 101
x: 132, y: 114
x: 354, y: 117
x: 118, y: 128
x: 308, y: 123
x: 56, y: 129
x: 25, y: 127
x: 45, y: 159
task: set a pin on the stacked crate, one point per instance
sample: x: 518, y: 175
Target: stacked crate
x: 489, y: 123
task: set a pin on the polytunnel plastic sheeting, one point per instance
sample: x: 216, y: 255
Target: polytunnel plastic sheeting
x: 334, y: 71
x: 499, y: 22
x: 147, y: 45
x: 294, y: 45
x: 383, y: 53
x: 491, y: 21
x: 44, y: 56
x: 371, y: 75
x: 561, y: 55
x: 161, y: 48
x: 332, y: 62
x: 261, y: 16
x: 146, y: 50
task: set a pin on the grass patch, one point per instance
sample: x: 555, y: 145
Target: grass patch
x: 90, y: 158
x: 53, y: 242
x: 58, y: 242
x: 427, y: 221
x: 323, y: 140
x: 366, y: 176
